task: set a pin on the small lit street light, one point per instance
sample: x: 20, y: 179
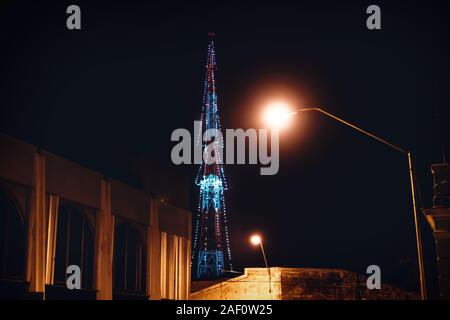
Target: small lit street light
x: 255, y: 240
x: 277, y: 115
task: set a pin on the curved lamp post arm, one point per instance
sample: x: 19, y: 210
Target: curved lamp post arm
x: 356, y: 128
x: 423, y: 288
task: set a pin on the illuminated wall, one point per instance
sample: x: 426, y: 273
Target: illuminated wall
x: 298, y: 284
x: 175, y: 270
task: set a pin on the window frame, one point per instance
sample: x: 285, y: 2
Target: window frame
x: 11, y: 199
x: 141, y: 272
x: 88, y: 222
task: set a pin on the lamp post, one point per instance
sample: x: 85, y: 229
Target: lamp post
x: 280, y: 118
x: 255, y: 240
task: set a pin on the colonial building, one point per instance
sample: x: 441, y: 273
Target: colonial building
x: 55, y: 213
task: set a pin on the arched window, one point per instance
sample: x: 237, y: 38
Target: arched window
x: 12, y: 239
x: 74, y: 244
x: 129, y: 260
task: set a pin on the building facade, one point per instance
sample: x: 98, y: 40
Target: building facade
x: 55, y: 213
x: 439, y: 219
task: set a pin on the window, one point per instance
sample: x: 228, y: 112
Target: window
x: 12, y: 239
x: 129, y: 260
x: 74, y: 244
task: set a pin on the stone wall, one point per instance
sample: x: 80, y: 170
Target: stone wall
x: 298, y: 284
x: 253, y: 285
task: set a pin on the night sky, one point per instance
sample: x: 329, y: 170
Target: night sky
x: 116, y: 90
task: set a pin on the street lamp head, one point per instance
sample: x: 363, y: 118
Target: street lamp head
x: 277, y: 114
x: 255, y: 239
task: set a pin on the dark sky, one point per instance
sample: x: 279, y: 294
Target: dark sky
x: 116, y: 89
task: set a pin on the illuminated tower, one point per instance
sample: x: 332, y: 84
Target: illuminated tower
x: 211, y: 253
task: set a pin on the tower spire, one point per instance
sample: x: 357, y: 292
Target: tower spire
x: 211, y: 248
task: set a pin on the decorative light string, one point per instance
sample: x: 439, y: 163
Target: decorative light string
x: 211, y: 178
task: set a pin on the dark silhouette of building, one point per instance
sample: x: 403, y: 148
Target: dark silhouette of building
x: 439, y: 219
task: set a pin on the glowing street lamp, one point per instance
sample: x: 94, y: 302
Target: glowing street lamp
x: 255, y: 240
x: 277, y: 114
x: 280, y: 113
